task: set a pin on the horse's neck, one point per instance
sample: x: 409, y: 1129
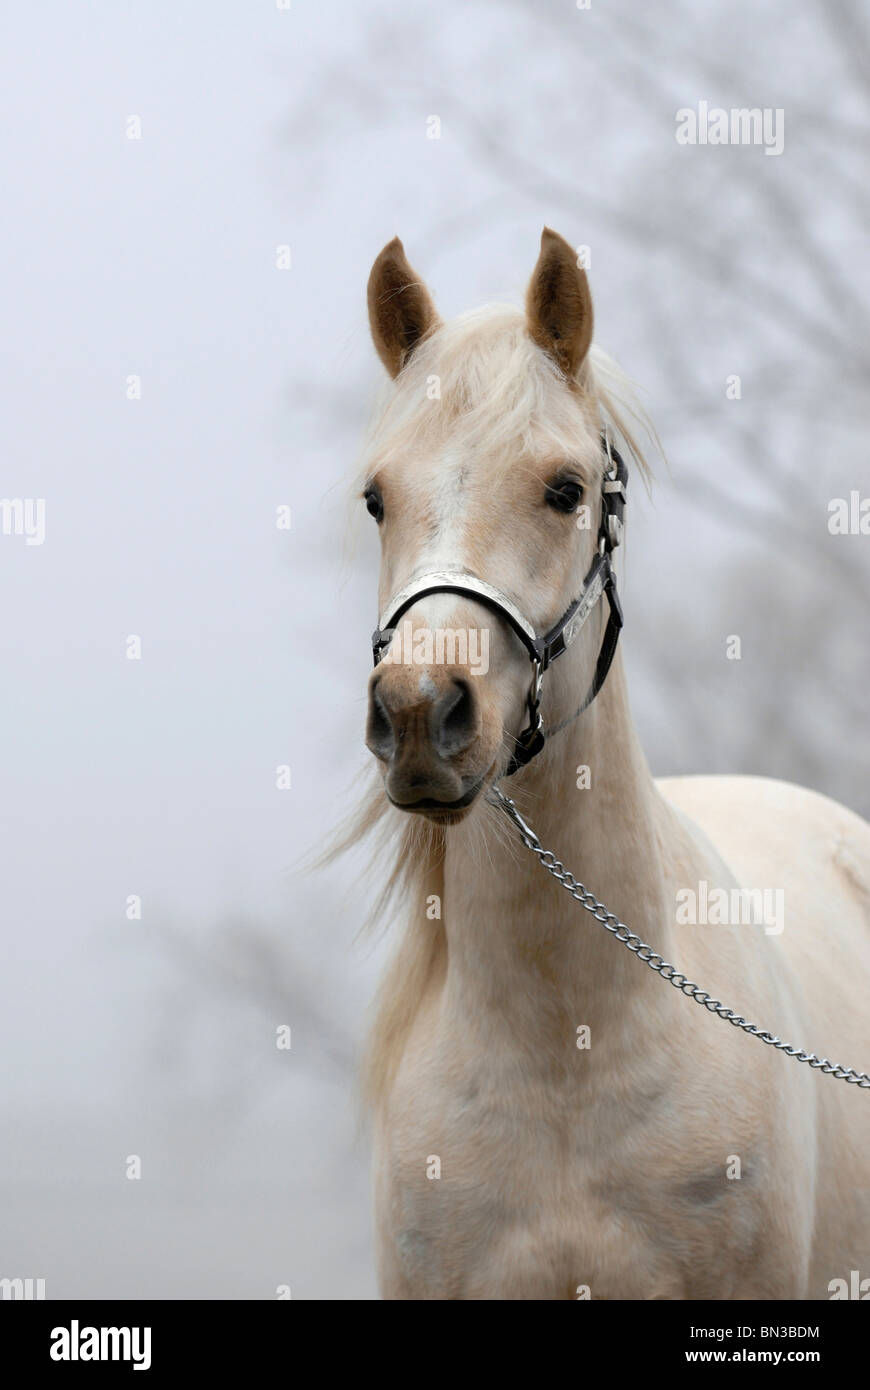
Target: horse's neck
x: 516, y: 939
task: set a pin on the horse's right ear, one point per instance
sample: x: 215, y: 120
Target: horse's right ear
x: 401, y: 311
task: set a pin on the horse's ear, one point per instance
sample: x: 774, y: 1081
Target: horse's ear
x: 559, y: 305
x: 401, y: 311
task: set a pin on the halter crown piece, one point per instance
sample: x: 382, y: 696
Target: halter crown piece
x: 600, y: 580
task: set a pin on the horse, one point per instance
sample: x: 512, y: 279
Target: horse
x: 549, y: 1121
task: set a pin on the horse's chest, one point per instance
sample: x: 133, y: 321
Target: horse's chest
x: 481, y: 1198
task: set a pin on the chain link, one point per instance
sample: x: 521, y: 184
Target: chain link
x: 620, y: 932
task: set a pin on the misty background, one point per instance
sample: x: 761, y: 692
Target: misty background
x: 157, y: 257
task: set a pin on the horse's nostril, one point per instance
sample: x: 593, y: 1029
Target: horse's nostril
x: 379, y: 728
x: 454, y: 719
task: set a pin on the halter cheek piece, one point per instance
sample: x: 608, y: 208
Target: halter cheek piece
x: 544, y: 650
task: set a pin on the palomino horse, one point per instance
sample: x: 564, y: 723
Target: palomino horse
x: 552, y: 1121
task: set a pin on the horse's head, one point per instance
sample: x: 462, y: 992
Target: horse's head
x: 486, y: 460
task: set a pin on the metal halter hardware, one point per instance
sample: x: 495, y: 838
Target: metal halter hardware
x: 543, y: 651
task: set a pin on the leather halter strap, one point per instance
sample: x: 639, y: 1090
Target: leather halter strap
x: 543, y: 650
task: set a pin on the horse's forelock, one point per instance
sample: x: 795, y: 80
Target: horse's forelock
x: 480, y: 378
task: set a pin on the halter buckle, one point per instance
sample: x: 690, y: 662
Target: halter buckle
x: 613, y: 500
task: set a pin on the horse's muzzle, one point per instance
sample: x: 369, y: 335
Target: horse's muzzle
x: 424, y: 728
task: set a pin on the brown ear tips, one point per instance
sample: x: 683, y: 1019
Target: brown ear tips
x: 392, y: 253
x: 554, y: 243
x: 392, y: 250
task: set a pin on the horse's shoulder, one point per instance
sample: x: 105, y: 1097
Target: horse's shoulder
x: 758, y: 797
x: 754, y: 818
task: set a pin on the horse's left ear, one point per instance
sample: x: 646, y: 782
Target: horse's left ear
x: 559, y: 305
x: 401, y: 311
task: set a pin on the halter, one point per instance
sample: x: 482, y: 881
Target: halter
x: 543, y: 651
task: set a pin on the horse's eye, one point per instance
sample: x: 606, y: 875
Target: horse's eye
x: 374, y: 502
x: 564, y: 495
